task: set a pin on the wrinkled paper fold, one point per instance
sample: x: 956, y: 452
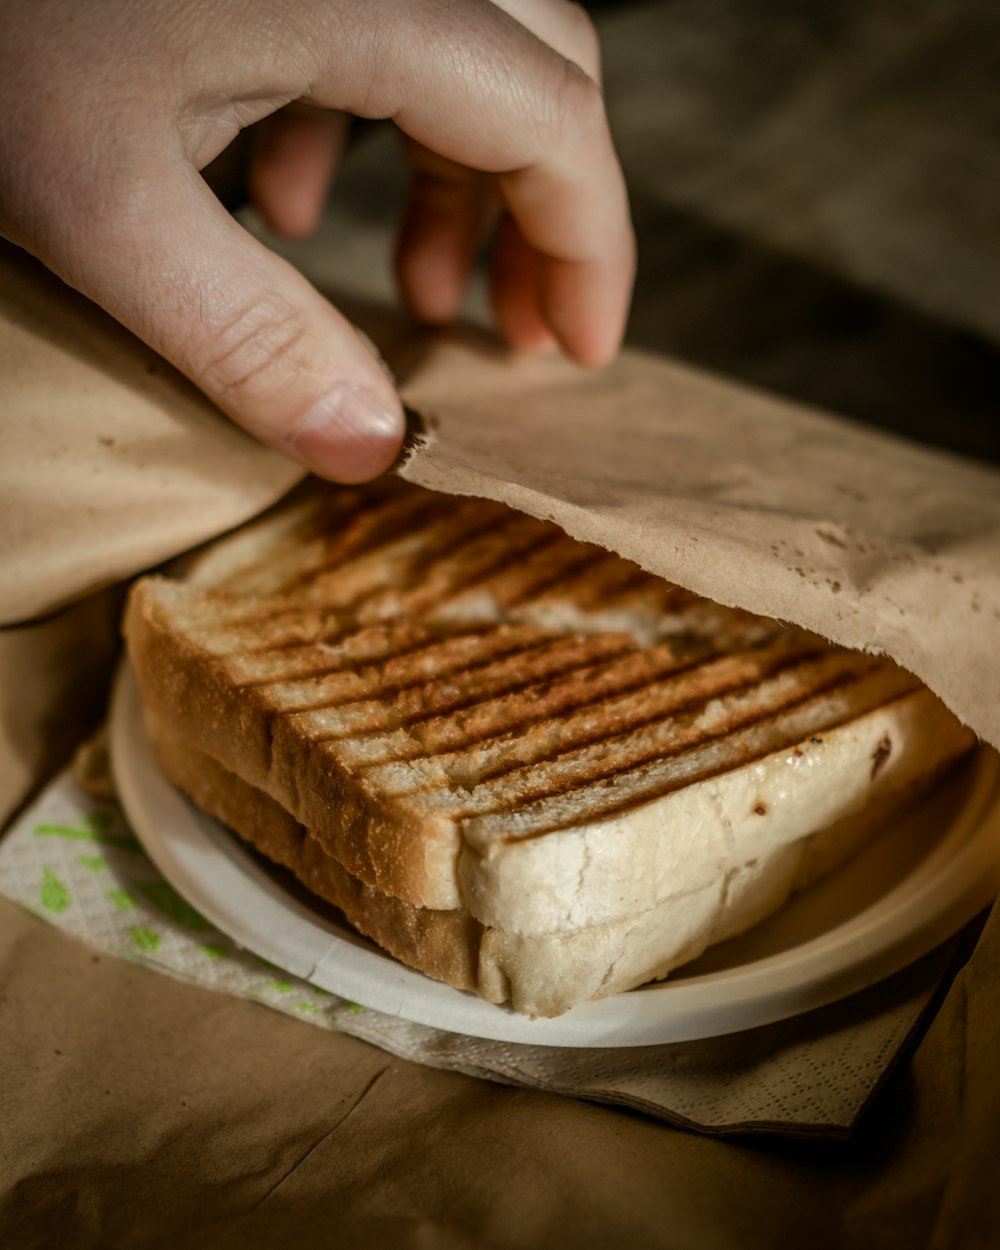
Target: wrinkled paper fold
x: 110, y: 460
x: 748, y: 499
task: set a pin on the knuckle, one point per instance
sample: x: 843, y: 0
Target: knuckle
x: 251, y: 353
x: 579, y: 105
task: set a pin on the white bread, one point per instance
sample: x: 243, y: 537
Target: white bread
x: 393, y: 669
x: 539, y: 975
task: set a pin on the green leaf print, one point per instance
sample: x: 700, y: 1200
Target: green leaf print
x: 166, y: 899
x: 72, y: 833
x: 121, y: 899
x: 93, y: 863
x: 54, y: 895
x: 145, y: 939
x: 215, y: 952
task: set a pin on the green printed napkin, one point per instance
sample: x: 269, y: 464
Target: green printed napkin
x: 72, y: 860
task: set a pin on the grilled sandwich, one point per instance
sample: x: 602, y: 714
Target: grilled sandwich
x: 518, y: 762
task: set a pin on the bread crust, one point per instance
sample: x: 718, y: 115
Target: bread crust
x: 184, y: 684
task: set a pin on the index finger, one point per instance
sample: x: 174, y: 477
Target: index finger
x: 476, y: 86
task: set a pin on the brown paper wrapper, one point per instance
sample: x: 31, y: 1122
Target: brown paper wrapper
x: 110, y: 461
x: 871, y: 541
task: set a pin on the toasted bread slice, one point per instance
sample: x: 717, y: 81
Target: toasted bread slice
x: 470, y: 711
x: 541, y: 975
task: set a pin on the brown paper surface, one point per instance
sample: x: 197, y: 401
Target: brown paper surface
x: 53, y: 688
x: 142, y: 1112
x: 110, y: 461
x: 869, y: 540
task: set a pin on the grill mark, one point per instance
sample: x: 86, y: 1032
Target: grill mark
x: 562, y: 575
x: 341, y: 633
x: 552, y: 653
x: 655, y: 754
x: 302, y: 637
x: 407, y: 602
x: 638, y: 580
x: 370, y: 532
x: 346, y: 616
x: 615, y: 648
x: 388, y: 689
x: 470, y: 530
x: 666, y: 668
x: 460, y: 702
x: 298, y: 670
x: 503, y: 642
x: 347, y: 503
x: 689, y: 706
x: 453, y: 535
x: 254, y: 615
x: 618, y: 572
x: 412, y: 723
x: 564, y: 666
x: 631, y: 802
x: 344, y: 623
x: 340, y: 527
x: 339, y: 509
x: 350, y: 611
x: 497, y: 558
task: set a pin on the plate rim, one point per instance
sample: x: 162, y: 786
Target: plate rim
x: 953, y: 882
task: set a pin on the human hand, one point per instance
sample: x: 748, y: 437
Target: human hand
x: 112, y: 108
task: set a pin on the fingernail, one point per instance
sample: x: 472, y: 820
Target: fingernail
x: 350, y: 435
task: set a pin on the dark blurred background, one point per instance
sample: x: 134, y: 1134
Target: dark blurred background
x: 816, y: 193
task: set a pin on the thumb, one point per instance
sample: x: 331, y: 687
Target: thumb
x: 245, y: 327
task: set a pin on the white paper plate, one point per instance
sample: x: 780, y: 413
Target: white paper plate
x: 920, y: 882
